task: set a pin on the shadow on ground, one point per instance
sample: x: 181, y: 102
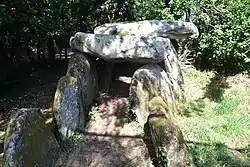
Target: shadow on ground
x: 217, y: 154
x: 110, y: 140
x: 216, y: 88
x: 195, y: 107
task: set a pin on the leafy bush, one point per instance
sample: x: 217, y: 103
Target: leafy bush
x: 224, y: 42
x: 225, y: 34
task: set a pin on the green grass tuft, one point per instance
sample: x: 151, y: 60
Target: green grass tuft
x: 215, y: 120
x: 227, y: 106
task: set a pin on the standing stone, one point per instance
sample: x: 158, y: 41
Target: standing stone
x: 148, y: 82
x: 172, y: 67
x: 161, y: 28
x: 28, y: 141
x: 67, y: 108
x: 166, y: 135
x: 121, y: 48
x: 84, y: 69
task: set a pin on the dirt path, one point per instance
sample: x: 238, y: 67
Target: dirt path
x: 110, y: 141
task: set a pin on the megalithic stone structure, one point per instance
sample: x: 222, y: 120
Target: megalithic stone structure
x: 154, y: 88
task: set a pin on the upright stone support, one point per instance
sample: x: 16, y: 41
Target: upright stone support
x: 148, y: 82
x: 167, y: 137
x: 68, y: 108
x: 172, y: 67
x: 83, y: 68
x: 28, y: 141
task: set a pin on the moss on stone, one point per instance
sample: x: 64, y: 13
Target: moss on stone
x: 165, y: 133
x: 123, y: 33
x: 28, y: 141
x: 158, y: 106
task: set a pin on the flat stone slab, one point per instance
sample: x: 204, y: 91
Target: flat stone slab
x: 161, y: 28
x: 121, y: 48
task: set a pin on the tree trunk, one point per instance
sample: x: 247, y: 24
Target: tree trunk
x: 65, y: 53
x: 28, y: 52
x: 38, y: 51
x: 43, y: 53
x: 51, y: 49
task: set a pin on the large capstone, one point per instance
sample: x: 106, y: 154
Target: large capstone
x: 166, y: 137
x: 162, y: 28
x: 121, y: 48
x: 148, y: 82
x: 28, y: 141
x: 83, y: 68
x: 68, y: 108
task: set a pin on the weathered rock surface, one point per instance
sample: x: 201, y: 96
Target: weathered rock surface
x: 172, y: 67
x: 162, y: 28
x: 28, y: 141
x: 121, y: 48
x: 84, y: 69
x: 166, y: 135
x: 67, y: 108
x: 148, y: 82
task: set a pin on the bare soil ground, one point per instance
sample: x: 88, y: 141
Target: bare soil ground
x: 110, y: 140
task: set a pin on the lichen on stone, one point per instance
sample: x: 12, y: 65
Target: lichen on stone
x: 25, y: 130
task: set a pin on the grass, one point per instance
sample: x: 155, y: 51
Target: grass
x: 215, y: 119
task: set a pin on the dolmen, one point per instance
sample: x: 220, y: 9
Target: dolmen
x: 154, y: 89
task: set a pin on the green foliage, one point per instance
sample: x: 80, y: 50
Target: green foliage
x: 227, y: 106
x: 225, y: 33
x: 163, y: 155
x: 216, y: 155
x: 217, y: 131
